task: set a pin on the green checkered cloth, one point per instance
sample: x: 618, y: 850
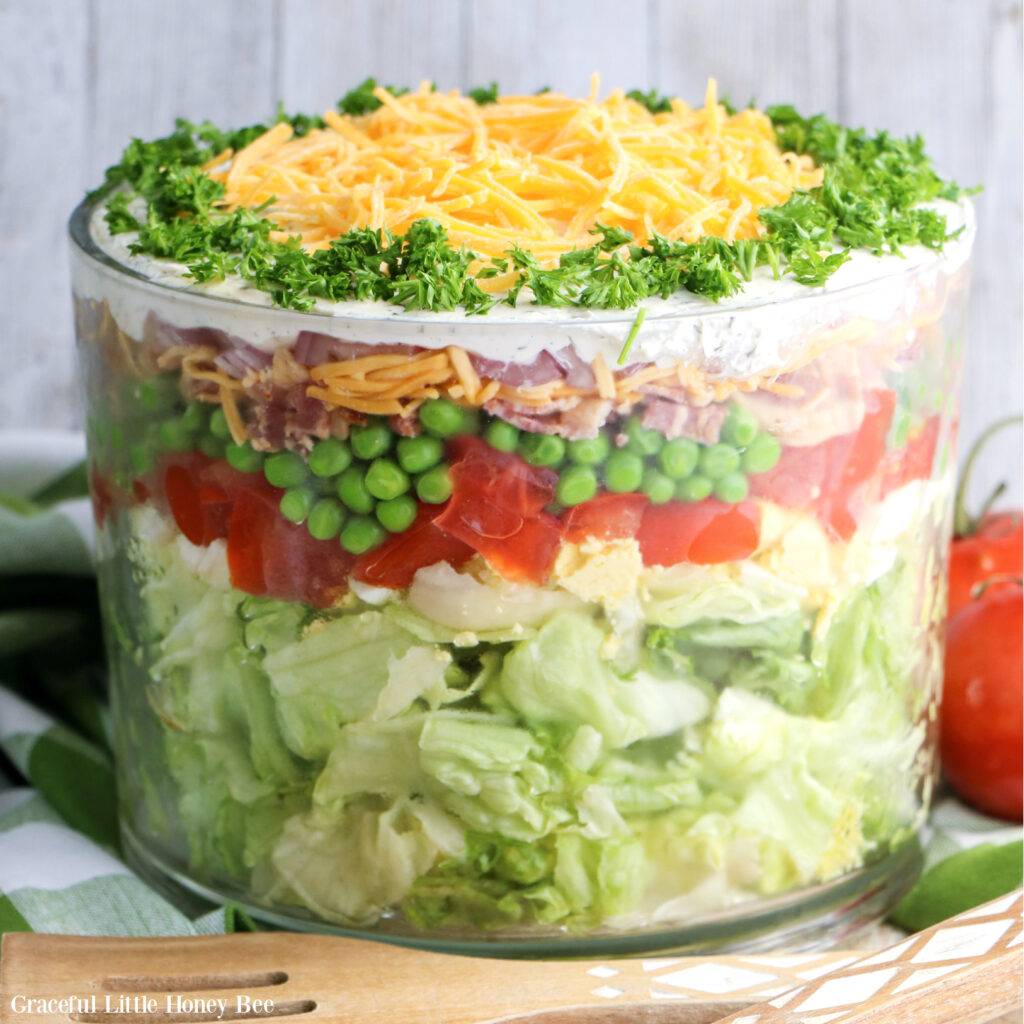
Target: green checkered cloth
x: 61, y: 868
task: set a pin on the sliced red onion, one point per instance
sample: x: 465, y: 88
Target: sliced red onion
x: 542, y: 370
x: 162, y: 335
x: 578, y: 372
x: 312, y: 349
x: 237, y: 362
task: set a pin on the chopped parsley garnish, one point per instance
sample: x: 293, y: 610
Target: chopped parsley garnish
x: 361, y: 100
x: 482, y: 96
x: 652, y: 100
x: 870, y: 198
x: 870, y: 195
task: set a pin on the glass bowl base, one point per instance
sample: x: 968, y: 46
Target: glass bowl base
x: 808, y: 920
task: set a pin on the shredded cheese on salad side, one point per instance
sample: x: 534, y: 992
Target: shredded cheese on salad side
x: 533, y: 171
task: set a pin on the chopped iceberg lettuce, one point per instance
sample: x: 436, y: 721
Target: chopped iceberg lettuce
x: 420, y: 672
x: 333, y: 674
x: 739, y: 592
x: 496, y: 778
x: 238, y: 780
x: 491, y: 776
x: 559, y: 680
x: 269, y: 625
x: 356, y: 864
x: 364, y: 761
x: 571, y: 881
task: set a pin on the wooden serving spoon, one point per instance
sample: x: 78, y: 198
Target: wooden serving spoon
x: 967, y: 970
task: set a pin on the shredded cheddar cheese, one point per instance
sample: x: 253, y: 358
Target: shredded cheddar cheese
x: 533, y: 171
x: 231, y: 414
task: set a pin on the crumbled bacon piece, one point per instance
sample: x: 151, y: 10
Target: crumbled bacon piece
x: 405, y: 426
x: 668, y: 418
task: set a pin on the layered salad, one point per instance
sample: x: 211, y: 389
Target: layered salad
x: 522, y: 515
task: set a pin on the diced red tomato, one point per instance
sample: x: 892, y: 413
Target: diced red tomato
x: 728, y: 536
x: 247, y: 531
x: 867, y: 448
x: 183, y: 497
x: 527, y: 557
x: 524, y: 554
x: 496, y: 508
x: 216, y: 506
x: 606, y: 517
x: 839, y: 519
x: 298, y: 567
x: 267, y: 554
x: 473, y: 511
x: 825, y: 477
x: 797, y: 479
x: 705, y: 533
x: 399, y: 558
x: 505, y: 478
x: 200, y: 496
x: 914, y: 460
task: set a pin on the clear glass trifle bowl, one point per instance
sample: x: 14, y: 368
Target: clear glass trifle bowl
x: 528, y: 633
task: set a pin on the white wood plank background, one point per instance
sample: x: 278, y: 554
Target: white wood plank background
x: 78, y: 78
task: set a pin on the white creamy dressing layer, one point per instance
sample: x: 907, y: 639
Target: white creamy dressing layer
x: 753, y: 332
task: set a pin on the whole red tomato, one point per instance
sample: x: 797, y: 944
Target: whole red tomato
x: 994, y: 547
x: 992, y: 544
x: 981, y: 738
x: 981, y: 728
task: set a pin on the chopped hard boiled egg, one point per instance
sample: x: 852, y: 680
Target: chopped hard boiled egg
x: 796, y: 549
x: 604, y: 571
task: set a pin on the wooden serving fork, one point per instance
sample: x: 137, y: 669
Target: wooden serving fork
x: 967, y: 970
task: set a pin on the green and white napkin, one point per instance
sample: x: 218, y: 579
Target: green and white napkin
x: 61, y: 868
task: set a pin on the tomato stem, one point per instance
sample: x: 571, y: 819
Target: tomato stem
x: 964, y: 525
x: 997, y: 493
x: 981, y: 586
